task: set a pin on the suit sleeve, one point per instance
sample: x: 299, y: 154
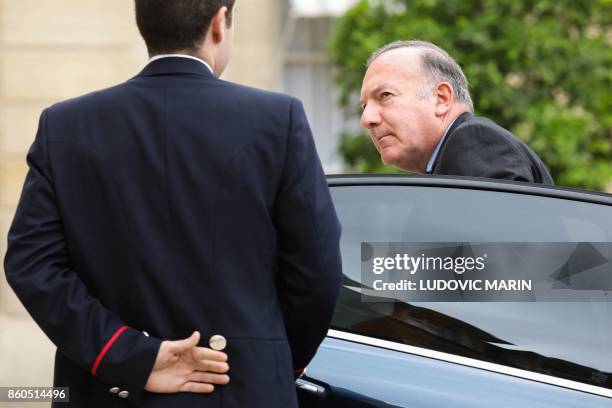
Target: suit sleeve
x: 479, y: 151
x: 39, y: 270
x: 309, y: 265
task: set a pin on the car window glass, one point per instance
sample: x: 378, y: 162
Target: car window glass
x: 569, y: 340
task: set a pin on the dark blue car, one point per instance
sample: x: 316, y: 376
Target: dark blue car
x: 462, y: 354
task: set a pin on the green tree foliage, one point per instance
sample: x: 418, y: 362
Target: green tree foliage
x: 540, y: 68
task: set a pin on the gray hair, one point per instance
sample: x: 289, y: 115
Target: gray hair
x: 437, y: 65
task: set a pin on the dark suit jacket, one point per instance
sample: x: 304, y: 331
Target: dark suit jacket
x: 176, y: 202
x: 478, y: 147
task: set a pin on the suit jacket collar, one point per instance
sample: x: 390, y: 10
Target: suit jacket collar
x: 460, y: 119
x: 176, y: 66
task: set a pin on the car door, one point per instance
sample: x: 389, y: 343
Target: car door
x: 465, y: 354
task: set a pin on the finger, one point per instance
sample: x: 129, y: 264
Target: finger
x: 210, y: 378
x: 212, y: 366
x: 197, y: 387
x: 204, y: 353
x: 181, y: 346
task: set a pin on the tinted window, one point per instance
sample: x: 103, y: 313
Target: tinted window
x: 569, y: 340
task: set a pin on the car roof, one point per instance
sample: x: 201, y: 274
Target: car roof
x: 473, y: 183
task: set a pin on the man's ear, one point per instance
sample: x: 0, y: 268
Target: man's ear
x: 218, y: 26
x: 444, y: 98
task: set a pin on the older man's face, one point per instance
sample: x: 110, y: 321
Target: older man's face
x: 401, y: 122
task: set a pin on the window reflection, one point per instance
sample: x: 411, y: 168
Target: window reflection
x: 568, y: 340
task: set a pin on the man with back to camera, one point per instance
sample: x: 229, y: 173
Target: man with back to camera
x: 177, y: 206
x: 419, y: 113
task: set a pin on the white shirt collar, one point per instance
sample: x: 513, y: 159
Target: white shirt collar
x: 181, y: 56
x: 434, y: 155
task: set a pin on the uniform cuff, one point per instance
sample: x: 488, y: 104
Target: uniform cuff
x: 127, y: 363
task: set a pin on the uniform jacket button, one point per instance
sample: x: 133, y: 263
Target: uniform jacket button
x: 217, y: 342
x: 114, y: 390
x: 124, y: 394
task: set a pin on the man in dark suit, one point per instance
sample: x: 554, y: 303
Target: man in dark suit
x: 177, y: 206
x: 418, y: 111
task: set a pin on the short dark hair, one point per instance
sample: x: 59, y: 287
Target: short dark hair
x: 171, y: 25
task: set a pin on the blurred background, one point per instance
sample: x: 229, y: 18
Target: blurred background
x: 541, y: 68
